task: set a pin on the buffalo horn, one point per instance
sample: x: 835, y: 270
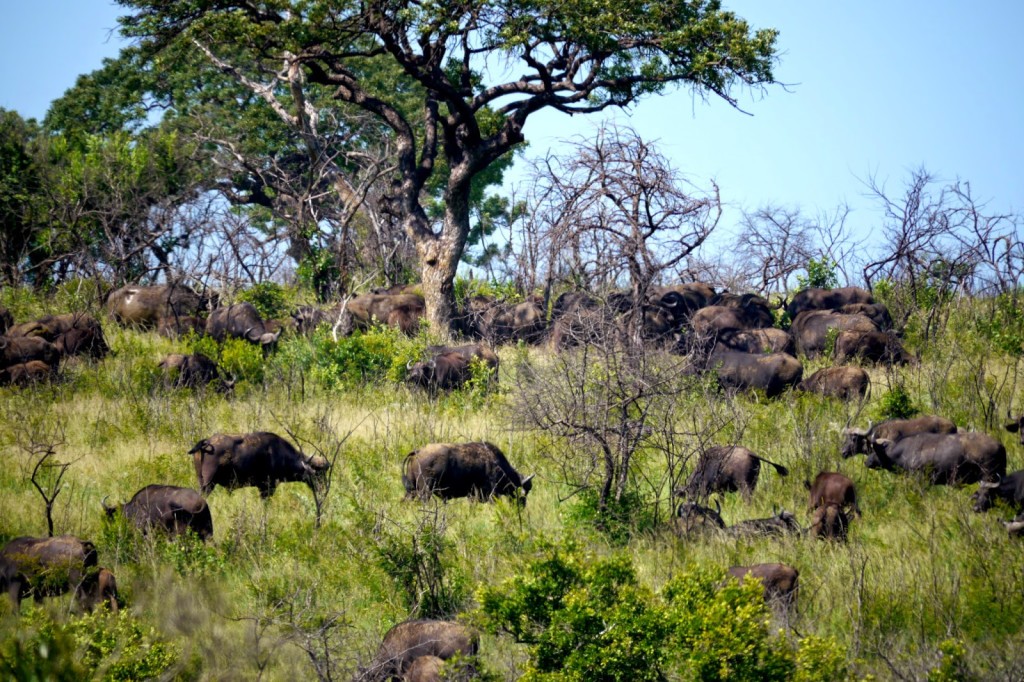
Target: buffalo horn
x: 718, y: 506
x: 106, y: 506
x: 988, y: 484
x: 527, y: 479
x: 408, y: 365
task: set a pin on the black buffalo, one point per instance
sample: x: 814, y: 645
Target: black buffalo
x: 845, y: 383
x: 193, y: 370
x: 1017, y: 426
x: 946, y: 458
x: 45, y: 567
x: 726, y: 468
x: 259, y: 459
x: 772, y: 373
x: 173, y: 509
x: 782, y: 523
x: 181, y: 325
x: 451, y: 470
x: 1009, y: 488
x: 414, y: 639
x: 827, y: 299
x: 768, y: 340
x: 240, y: 321
x: 6, y: 320
x: 876, y: 312
x: 450, y: 367
x: 402, y: 311
x: 780, y: 581
x: 694, y: 518
x: 879, y: 347
x: 811, y: 329
x: 858, y: 441
x: 1015, y: 527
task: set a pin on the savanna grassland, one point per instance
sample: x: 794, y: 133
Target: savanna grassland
x: 924, y: 589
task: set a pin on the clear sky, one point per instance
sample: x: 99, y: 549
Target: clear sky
x: 875, y: 88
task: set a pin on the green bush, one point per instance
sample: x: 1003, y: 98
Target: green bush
x: 270, y: 299
x: 242, y: 360
x: 821, y: 274
x: 896, y: 403
x: 623, y: 519
x: 1001, y: 320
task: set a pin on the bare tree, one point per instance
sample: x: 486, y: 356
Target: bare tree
x: 39, y: 435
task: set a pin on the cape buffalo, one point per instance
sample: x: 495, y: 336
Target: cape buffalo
x: 772, y: 373
x: 876, y: 312
x: 367, y: 308
x: 192, y: 370
x: 19, y: 350
x: 947, y: 458
x: 504, y: 322
x: 450, y: 367
x: 727, y: 468
x: 717, y: 319
x: 176, y: 326
x: 827, y: 299
x: 143, y: 306
x: 780, y: 581
x: 259, y: 459
x: 451, y: 470
x: 240, y: 321
x: 71, y: 334
x: 1009, y: 488
x: 829, y: 522
x: 46, y: 567
x: 694, y: 518
x: 1017, y: 427
x: 845, y: 383
x: 830, y: 487
x: 1015, y: 527
x: 811, y: 329
x: 883, y: 347
x: 769, y: 340
x: 781, y: 523
x: 413, y: 639
x: 858, y: 441
x: 26, y: 373
x: 173, y: 509
x: 6, y: 320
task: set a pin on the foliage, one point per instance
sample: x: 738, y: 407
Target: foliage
x: 270, y: 299
x: 896, y: 403
x: 821, y: 274
x: 1001, y: 320
x: 97, y: 645
x: 624, y: 518
x: 953, y: 666
x: 242, y: 360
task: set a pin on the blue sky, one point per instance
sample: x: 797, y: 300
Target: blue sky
x: 874, y: 88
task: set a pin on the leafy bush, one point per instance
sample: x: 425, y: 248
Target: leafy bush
x: 242, y: 360
x: 821, y: 274
x: 623, y: 519
x: 270, y: 299
x: 896, y: 403
x: 1004, y: 323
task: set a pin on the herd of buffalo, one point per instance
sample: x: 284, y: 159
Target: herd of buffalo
x: 734, y: 336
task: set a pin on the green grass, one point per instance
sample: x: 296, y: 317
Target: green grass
x: 920, y: 569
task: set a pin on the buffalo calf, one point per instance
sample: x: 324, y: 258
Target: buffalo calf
x: 780, y: 581
x: 413, y: 639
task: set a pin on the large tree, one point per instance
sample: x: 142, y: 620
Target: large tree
x: 481, y: 69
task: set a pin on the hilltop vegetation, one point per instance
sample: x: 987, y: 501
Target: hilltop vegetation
x: 924, y: 587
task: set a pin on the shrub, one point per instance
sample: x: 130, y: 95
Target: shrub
x: 896, y: 403
x: 1004, y: 323
x: 242, y: 360
x: 821, y: 274
x: 269, y: 298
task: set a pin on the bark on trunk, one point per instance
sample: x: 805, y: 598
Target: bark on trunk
x: 439, y: 258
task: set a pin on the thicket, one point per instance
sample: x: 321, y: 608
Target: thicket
x: 565, y: 589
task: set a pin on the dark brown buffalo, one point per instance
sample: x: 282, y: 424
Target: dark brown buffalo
x: 946, y: 458
x: 715, y: 320
x: 770, y: 340
x: 830, y: 487
x: 425, y: 669
x: 71, y: 334
x: 694, y: 518
x: 858, y: 441
x: 259, y: 459
x: 26, y: 374
x: 143, y: 306
x: 193, y: 370
x: 772, y: 373
x: 845, y: 383
x: 829, y: 522
x: 451, y: 470
x: 581, y: 325
x: 414, y: 639
x: 883, y: 347
x: 1016, y: 527
x: 450, y: 366
x: 366, y: 309
x: 176, y: 326
x: 827, y: 299
x: 782, y: 523
x: 46, y: 567
x: 726, y: 468
x: 19, y: 350
x: 307, y: 318
x: 1009, y: 489
x: 876, y: 312
x: 168, y: 507
x: 811, y: 329
x: 6, y: 320
x: 780, y: 581
x: 498, y: 322
x: 240, y: 321
x: 1017, y: 427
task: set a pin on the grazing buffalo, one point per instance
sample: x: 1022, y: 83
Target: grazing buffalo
x: 46, y: 567
x: 947, y: 458
x: 259, y: 459
x: 307, y: 318
x: 19, y: 350
x: 830, y: 487
x: 827, y: 299
x: 503, y: 322
x: 145, y: 306
x: 779, y: 580
x: 845, y: 383
x: 883, y: 347
x: 177, y: 326
x: 391, y: 309
x: 829, y: 522
x: 450, y: 367
x: 240, y: 321
x: 1017, y: 427
x: 168, y: 507
x: 26, y: 374
x: 770, y: 340
x: 192, y: 370
x: 693, y: 518
x: 772, y: 373
x: 71, y: 334
x: 726, y: 468
x: 717, y: 319
x: 782, y: 523
x: 876, y: 312
x: 6, y: 320
x: 413, y: 639
x: 451, y: 470
x: 858, y: 441
x: 1016, y: 527
x: 1009, y: 488
x: 811, y: 329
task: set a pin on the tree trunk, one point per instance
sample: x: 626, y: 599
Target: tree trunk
x: 439, y: 255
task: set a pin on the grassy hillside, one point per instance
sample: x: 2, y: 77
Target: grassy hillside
x: 924, y: 585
